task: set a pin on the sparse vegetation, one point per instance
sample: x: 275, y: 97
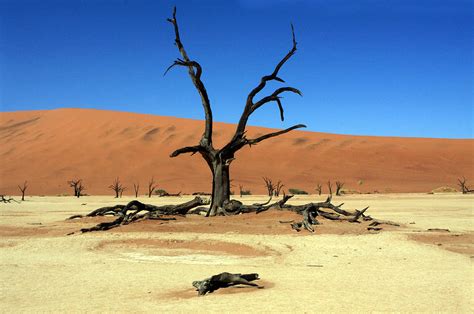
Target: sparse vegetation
x: 463, y: 185
x: 23, y: 188
x: 329, y: 184
x: 242, y: 191
x: 319, y: 188
x: 136, y: 187
x: 444, y: 189
x: 339, y: 186
x: 151, y: 186
x: 278, y: 187
x: 269, y: 185
x: 78, y: 187
x: 297, y: 191
x: 117, y: 187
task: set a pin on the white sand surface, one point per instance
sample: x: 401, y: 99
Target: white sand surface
x: 43, y: 270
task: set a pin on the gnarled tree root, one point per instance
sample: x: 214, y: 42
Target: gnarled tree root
x: 312, y: 210
x: 224, y: 280
x: 136, y: 210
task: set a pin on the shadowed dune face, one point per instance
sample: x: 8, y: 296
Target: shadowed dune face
x: 48, y: 148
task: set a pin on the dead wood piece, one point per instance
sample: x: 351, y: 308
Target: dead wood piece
x: 4, y: 199
x: 133, y: 211
x: 224, y: 280
x: 376, y: 222
x: 309, y: 219
x: 235, y: 207
x: 374, y: 228
x: 438, y: 230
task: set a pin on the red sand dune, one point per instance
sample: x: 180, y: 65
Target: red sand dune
x: 48, y: 148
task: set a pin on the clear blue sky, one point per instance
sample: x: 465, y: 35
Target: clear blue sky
x: 368, y: 67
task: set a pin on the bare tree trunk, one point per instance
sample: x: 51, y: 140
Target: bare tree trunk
x: 330, y: 187
x: 136, y: 187
x: 319, y: 189
x: 220, y: 187
x: 23, y: 189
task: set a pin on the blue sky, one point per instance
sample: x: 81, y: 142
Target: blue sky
x: 390, y: 68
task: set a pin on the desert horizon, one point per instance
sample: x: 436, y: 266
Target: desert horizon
x: 47, y: 148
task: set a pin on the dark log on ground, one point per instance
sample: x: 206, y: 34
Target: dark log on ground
x: 224, y: 280
x: 4, y: 199
x: 136, y: 210
x: 311, y: 210
x: 170, y: 194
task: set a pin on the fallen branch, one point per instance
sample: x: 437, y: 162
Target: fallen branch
x: 136, y: 210
x: 224, y: 280
x: 7, y: 200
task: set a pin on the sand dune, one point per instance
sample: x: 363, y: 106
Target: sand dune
x: 48, y: 148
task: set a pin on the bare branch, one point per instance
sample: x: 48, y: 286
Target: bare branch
x: 196, y: 78
x: 273, y: 134
x: 275, y: 97
x: 274, y: 75
x: 188, y: 149
x: 249, y: 106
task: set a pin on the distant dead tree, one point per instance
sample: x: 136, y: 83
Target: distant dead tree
x: 339, y: 186
x: 136, y: 187
x: 319, y: 188
x: 464, y: 188
x: 269, y: 185
x: 219, y: 159
x: 241, y: 189
x: 23, y: 189
x: 329, y: 184
x: 76, y: 184
x: 117, y: 187
x: 151, y: 186
x: 278, y: 188
x: 80, y: 188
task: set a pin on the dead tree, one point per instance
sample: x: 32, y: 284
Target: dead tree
x: 219, y: 160
x: 464, y: 188
x: 278, y: 188
x: 319, y: 188
x: 136, y: 187
x: 117, y: 187
x: 151, y: 186
x: 329, y: 184
x: 23, y: 189
x: 79, y: 190
x: 269, y: 185
x: 339, y: 186
x: 76, y: 184
x: 224, y: 280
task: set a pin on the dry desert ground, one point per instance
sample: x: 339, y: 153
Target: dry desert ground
x: 149, y: 266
